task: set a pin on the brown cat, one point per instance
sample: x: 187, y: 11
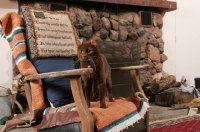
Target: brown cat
x: 89, y: 56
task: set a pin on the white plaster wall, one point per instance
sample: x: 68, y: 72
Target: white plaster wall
x: 169, y: 38
x: 5, y: 52
x: 182, y: 40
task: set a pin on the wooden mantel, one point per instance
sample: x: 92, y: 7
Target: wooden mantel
x: 161, y: 5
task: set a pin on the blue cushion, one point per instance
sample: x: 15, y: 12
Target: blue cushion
x: 57, y: 90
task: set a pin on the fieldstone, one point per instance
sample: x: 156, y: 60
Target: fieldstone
x: 45, y: 6
x: 160, y: 40
x: 114, y: 35
x: 86, y: 32
x: 97, y: 23
x: 153, y: 41
x: 151, y: 67
x: 107, y: 39
x: 110, y: 50
x: 164, y: 74
x: 153, y: 71
x: 102, y: 48
x: 73, y: 9
x: 133, y: 35
x: 118, y: 55
x: 159, y: 67
x: 150, y: 30
x: 125, y: 19
x: 153, y: 53
x: 106, y: 23
x: 143, y: 41
x: 130, y: 44
x: 118, y: 45
x: 93, y: 13
x: 145, y: 76
x: 37, y: 5
x: 84, y: 17
x: 149, y: 35
x: 141, y: 31
x: 130, y: 29
x: 157, y: 76
x: 108, y: 56
x: 143, y: 53
x: 103, y: 33
x: 157, y: 32
x: 111, y: 44
x: 104, y: 14
x: 161, y: 47
x: 157, y: 20
x: 136, y: 20
x: 79, y: 26
x: 148, y: 61
x: 97, y: 33
x: 163, y: 58
x: 123, y: 33
x: 72, y: 17
x: 114, y: 17
x: 114, y: 24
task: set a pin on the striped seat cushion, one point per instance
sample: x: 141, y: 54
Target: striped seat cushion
x: 118, y: 115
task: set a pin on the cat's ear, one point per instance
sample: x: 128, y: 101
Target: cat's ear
x: 96, y: 40
x: 79, y: 42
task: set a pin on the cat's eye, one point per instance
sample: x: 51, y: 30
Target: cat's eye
x: 89, y: 51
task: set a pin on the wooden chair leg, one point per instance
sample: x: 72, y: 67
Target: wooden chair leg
x: 82, y: 108
x: 147, y: 122
x: 137, y: 87
x: 135, y: 81
x: 28, y: 94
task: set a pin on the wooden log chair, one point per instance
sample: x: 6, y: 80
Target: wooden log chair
x: 53, y: 86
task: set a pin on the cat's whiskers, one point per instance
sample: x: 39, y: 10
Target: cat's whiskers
x: 76, y: 62
x: 94, y: 66
x: 97, y: 60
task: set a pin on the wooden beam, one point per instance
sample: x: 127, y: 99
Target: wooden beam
x: 163, y: 5
x: 125, y: 68
x: 186, y: 105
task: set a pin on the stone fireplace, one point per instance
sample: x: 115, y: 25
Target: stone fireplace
x: 129, y: 38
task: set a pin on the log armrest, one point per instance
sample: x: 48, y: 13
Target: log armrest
x: 76, y: 87
x: 66, y: 73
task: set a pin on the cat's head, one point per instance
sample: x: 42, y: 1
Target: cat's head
x: 88, y: 50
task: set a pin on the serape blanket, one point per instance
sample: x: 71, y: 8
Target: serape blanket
x: 13, y: 30
x: 118, y: 115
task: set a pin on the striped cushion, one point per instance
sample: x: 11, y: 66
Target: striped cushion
x: 117, y: 116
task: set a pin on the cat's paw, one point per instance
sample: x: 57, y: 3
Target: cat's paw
x: 103, y: 106
x: 111, y: 100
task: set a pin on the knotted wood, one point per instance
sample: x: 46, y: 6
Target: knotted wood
x: 173, y: 96
x: 65, y: 73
